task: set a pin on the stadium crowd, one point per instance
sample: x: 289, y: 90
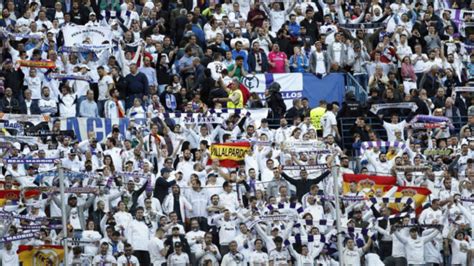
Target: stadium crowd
x: 156, y: 194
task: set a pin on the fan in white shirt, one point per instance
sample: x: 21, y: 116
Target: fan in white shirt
x: 234, y: 257
x: 258, y: 257
x: 216, y: 66
x: 157, y: 249
x: 102, y: 258
x: 351, y: 254
x: 34, y: 83
x: 127, y: 259
x: 178, y: 257
x: 8, y: 254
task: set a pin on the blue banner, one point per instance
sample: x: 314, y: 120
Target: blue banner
x: 331, y: 88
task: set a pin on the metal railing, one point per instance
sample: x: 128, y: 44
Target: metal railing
x: 353, y: 85
x: 346, y: 124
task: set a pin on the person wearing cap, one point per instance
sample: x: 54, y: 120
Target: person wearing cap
x: 93, y: 22
x: 178, y: 257
x: 75, y: 212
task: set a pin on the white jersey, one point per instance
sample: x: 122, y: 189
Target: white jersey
x: 351, y: 257
x: 279, y: 257
x: 216, y: 68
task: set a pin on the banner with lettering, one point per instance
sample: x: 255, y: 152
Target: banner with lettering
x: 102, y: 127
x: 27, y: 123
x: 229, y: 154
x: 76, y: 35
x: 40, y: 255
x: 291, y: 85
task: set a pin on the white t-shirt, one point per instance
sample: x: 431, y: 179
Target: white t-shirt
x: 104, y: 87
x: 216, y: 68
x: 392, y: 128
x: 123, y: 261
x: 352, y: 257
x: 155, y: 246
x: 104, y: 260
x: 34, y: 84
x: 460, y: 249
x: 337, y: 48
x: 279, y: 257
x: 178, y: 260
x: 327, y: 121
x: 320, y: 64
x: 260, y: 258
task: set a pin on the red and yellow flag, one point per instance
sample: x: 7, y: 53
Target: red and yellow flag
x: 37, y: 64
x: 9, y: 195
x: 229, y: 154
x: 40, y: 255
x: 418, y: 194
x: 367, y: 183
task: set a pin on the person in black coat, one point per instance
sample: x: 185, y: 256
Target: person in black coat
x: 29, y: 106
x: 304, y: 184
x: 79, y: 14
x: 162, y: 185
x: 275, y: 102
x: 257, y: 56
x: 310, y: 22
x: 13, y: 79
x: 8, y: 104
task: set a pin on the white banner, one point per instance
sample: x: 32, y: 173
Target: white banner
x: 305, y: 146
x: 381, y: 106
x: 76, y: 35
x: 291, y: 85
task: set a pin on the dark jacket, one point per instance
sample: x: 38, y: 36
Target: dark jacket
x: 34, y: 108
x: 277, y: 105
x: 303, y: 186
x: 184, y: 243
x: 9, y: 106
x: 13, y: 80
x: 161, y: 188
x: 136, y: 84
x: 311, y: 28
x: 252, y: 61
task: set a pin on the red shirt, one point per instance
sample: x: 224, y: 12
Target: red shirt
x: 279, y: 59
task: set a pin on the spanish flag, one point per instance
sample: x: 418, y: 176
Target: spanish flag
x: 40, y: 255
x: 37, y: 64
x: 9, y: 195
x: 229, y: 154
x: 367, y: 183
x: 418, y: 194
